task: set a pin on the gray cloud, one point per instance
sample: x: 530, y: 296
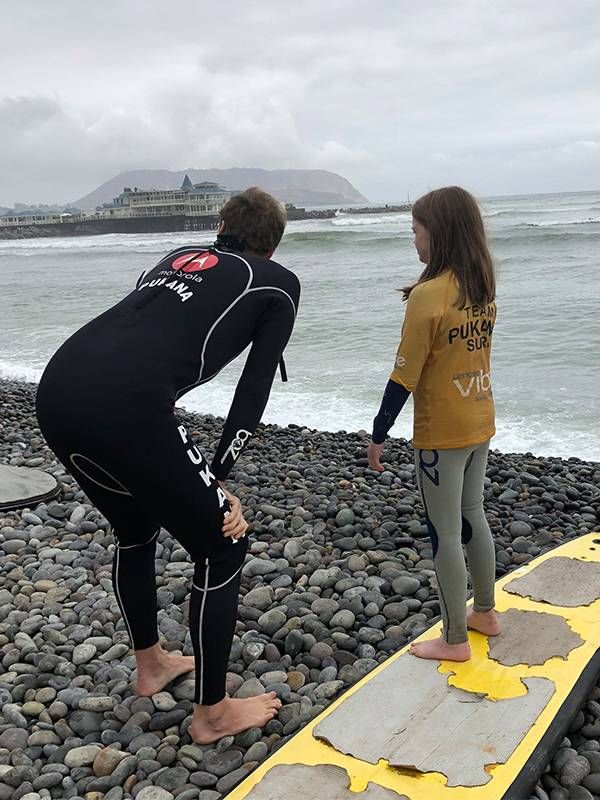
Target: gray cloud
x: 502, y: 97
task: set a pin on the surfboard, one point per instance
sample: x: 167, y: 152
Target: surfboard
x: 438, y: 730
x: 22, y: 487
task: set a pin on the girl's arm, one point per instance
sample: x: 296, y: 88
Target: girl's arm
x: 394, y: 398
x: 419, y: 330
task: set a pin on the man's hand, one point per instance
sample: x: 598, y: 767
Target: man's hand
x: 234, y: 525
x: 374, y: 454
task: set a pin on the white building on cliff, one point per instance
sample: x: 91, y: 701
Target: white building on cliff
x: 191, y: 199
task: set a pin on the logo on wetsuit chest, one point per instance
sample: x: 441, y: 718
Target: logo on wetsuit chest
x: 183, y: 267
x: 195, y: 262
x: 184, y: 292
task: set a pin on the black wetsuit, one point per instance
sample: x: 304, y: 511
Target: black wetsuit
x: 106, y: 407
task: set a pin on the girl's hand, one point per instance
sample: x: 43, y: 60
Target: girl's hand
x: 234, y: 524
x: 374, y: 454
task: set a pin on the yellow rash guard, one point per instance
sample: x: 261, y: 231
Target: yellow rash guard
x: 444, y: 360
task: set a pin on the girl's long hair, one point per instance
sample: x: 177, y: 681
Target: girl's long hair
x: 457, y: 242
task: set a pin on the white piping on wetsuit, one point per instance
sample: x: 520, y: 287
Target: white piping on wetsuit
x: 275, y: 289
x: 210, y: 377
x: 246, y: 291
x: 130, y: 546
x: 217, y: 321
x: 220, y: 586
x: 118, y: 548
x: 120, y: 601
x: 256, y: 289
x: 200, y: 624
x: 124, y: 489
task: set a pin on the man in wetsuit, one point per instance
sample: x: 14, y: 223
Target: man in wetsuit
x: 106, y: 407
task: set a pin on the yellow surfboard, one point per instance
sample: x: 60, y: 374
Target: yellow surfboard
x: 479, y: 730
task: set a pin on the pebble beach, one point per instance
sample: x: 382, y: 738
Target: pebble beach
x: 338, y: 577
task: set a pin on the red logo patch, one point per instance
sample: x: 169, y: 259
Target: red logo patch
x: 195, y: 262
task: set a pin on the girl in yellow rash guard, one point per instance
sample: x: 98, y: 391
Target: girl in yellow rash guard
x: 444, y: 360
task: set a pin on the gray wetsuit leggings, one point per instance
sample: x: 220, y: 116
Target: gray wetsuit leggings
x: 451, y: 486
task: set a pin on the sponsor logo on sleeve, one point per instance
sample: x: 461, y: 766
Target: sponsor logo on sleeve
x: 237, y: 445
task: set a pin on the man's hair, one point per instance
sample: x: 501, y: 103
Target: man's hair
x: 457, y: 242
x: 256, y: 219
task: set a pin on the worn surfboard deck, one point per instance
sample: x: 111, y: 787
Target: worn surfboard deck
x: 22, y: 486
x: 481, y: 730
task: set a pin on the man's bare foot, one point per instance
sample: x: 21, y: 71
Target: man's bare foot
x: 441, y: 650
x: 152, y: 677
x: 484, y: 621
x: 232, y: 716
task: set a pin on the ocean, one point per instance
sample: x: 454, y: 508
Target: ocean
x: 546, y: 354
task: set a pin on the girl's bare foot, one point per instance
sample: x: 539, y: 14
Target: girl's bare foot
x: 440, y: 649
x: 156, y: 669
x: 232, y: 716
x: 484, y: 621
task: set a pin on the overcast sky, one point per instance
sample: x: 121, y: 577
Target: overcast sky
x: 502, y: 96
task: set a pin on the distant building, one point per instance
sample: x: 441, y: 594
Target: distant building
x: 191, y: 199
x: 33, y: 218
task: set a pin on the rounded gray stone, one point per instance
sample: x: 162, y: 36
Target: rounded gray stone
x: 82, y: 756
x: 343, y: 619
x: 82, y: 653
x: 261, y: 598
x: 97, y: 703
x: 85, y: 722
x: 203, y: 779
x: 519, y: 528
x: 13, y: 738
x: 271, y: 621
x: 154, y: 793
x: 172, y: 778
x: 345, y: 516
x: 227, y: 783
x: 592, y: 783
x: 257, y: 752
x: 163, y: 701
x: 258, y: 566
x: 577, y: 792
x: 574, y: 771
x: 405, y: 585
x: 221, y: 764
